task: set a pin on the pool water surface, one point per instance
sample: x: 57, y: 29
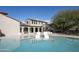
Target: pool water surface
x: 54, y: 44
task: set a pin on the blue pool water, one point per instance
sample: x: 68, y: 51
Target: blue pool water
x: 54, y: 44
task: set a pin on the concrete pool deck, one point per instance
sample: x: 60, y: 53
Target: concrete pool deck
x: 53, y: 34
x: 64, y: 35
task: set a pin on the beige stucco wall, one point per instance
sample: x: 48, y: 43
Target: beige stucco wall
x: 38, y: 24
x: 9, y: 26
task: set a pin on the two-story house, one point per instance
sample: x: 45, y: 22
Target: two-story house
x: 33, y: 26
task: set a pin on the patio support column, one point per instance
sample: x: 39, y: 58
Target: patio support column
x: 28, y: 29
x: 42, y: 29
x: 38, y: 29
x: 22, y: 30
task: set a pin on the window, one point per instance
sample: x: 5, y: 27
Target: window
x: 27, y: 22
x: 36, y: 22
x: 32, y: 21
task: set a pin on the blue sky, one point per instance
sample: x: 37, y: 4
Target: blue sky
x: 36, y: 12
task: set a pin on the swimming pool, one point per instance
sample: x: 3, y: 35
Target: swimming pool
x: 54, y: 44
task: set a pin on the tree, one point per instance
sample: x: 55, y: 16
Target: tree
x: 65, y: 20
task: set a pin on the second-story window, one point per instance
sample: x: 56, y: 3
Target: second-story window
x: 41, y: 22
x: 27, y: 22
x: 32, y: 21
x: 36, y: 22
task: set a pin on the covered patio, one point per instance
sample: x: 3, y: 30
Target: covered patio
x: 25, y: 29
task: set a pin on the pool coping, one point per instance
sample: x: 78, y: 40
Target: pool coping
x: 64, y: 35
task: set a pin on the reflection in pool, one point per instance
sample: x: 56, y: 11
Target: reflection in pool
x: 54, y: 44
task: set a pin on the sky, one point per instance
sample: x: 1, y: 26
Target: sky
x: 22, y: 13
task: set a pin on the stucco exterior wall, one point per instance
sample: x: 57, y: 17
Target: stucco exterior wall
x: 9, y: 26
x: 36, y: 24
